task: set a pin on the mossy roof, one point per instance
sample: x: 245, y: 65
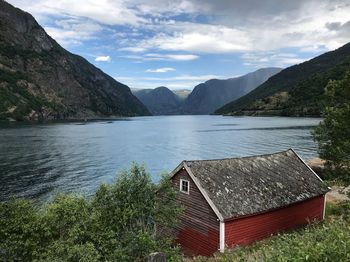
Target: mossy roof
x: 250, y: 185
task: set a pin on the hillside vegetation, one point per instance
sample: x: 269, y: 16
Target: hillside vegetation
x: 295, y: 91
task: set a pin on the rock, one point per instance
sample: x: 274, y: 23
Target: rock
x: 317, y: 165
x: 338, y: 194
x: 157, y: 257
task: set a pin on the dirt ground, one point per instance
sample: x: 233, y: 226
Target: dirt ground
x: 338, y: 194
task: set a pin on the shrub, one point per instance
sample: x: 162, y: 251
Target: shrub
x: 117, y: 224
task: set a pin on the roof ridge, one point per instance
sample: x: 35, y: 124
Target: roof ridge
x: 242, y: 157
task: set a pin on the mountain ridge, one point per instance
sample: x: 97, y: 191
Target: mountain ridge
x: 40, y: 80
x: 160, y: 101
x: 295, y: 91
x: 205, y: 97
x: 214, y: 93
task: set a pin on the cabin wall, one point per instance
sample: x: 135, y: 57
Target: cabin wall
x: 198, y: 231
x: 249, y: 229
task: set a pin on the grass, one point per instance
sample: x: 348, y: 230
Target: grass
x: 324, y: 241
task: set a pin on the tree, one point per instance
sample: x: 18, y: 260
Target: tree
x: 17, y: 231
x: 333, y: 133
x: 128, y: 213
x: 118, y: 223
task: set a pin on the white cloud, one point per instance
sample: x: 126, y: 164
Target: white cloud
x: 178, y: 57
x: 72, y: 31
x: 160, y: 70
x: 162, y: 57
x: 271, y: 58
x: 109, y: 12
x: 133, y: 49
x: 106, y: 58
x: 201, y: 38
x: 175, y: 82
x: 184, y: 78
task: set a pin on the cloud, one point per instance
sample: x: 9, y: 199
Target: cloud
x: 178, y: 57
x: 195, y: 37
x: 184, y: 78
x: 334, y: 26
x: 106, y: 58
x: 217, y: 42
x: 233, y: 26
x: 158, y: 8
x: 133, y: 49
x: 206, y: 26
x: 271, y: 58
x: 175, y: 82
x: 160, y: 70
x: 108, y: 12
x: 184, y: 30
x: 162, y: 57
x: 341, y: 30
x: 72, y: 31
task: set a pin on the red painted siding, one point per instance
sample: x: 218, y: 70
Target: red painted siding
x: 246, y: 230
x: 198, y: 231
x: 194, y: 243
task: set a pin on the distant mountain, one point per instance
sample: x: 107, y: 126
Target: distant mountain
x: 211, y: 95
x: 159, y: 101
x: 41, y: 80
x: 295, y: 91
x: 182, y: 93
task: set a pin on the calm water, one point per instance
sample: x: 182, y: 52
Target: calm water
x: 39, y: 160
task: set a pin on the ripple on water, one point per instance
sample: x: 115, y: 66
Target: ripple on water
x: 38, y: 161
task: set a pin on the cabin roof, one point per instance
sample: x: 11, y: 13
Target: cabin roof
x: 236, y: 187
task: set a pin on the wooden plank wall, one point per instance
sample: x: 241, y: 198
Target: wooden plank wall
x: 250, y: 229
x: 198, y: 231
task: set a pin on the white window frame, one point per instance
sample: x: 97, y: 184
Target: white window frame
x: 188, y: 186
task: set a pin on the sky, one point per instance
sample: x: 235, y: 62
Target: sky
x: 181, y: 43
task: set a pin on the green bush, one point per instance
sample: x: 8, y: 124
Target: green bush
x: 119, y: 223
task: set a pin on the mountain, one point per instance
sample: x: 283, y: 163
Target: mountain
x: 39, y: 80
x: 209, y: 96
x: 182, y: 94
x: 295, y: 91
x: 159, y: 101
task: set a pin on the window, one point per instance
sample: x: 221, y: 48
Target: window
x: 185, y: 186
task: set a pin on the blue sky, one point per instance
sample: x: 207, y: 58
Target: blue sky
x: 180, y: 43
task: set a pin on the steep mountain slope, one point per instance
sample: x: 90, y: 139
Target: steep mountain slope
x: 209, y: 96
x: 41, y: 80
x: 159, y: 101
x: 295, y: 91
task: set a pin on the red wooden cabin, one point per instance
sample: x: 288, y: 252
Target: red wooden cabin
x: 237, y: 201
